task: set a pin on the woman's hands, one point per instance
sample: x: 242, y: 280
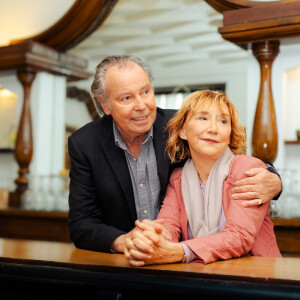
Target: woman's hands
x: 149, y: 246
x: 260, y: 184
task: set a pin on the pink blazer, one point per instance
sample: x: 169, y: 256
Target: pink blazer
x: 246, y: 230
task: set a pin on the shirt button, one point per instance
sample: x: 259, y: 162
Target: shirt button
x: 145, y: 211
x: 141, y: 185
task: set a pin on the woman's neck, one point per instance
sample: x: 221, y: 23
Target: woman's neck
x: 203, y: 167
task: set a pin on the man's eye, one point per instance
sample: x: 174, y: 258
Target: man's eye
x: 145, y: 92
x: 125, y: 98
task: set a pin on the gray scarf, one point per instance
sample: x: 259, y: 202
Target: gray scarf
x: 204, y: 214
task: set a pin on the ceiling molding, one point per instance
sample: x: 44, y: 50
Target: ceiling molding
x: 79, y: 22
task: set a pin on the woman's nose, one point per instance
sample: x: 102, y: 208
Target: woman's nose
x: 213, y: 127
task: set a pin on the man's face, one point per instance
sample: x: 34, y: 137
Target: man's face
x: 131, y: 100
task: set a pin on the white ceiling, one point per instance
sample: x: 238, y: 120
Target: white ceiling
x: 174, y: 37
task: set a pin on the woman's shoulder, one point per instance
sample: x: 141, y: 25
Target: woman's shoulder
x: 242, y: 163
x: 176, y: 174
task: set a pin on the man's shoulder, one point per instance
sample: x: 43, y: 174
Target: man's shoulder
x: 166, y: 114
x: 91, y: 129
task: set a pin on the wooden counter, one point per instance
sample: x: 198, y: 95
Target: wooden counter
x: 53, y: 270
x: 34, y: 224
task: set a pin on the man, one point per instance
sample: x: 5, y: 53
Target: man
x: 119, y: 170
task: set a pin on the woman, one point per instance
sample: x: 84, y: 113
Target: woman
x: 198, y: 207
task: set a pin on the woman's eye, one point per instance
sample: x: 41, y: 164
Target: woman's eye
x: 224, y: 121
x: 203, y: 118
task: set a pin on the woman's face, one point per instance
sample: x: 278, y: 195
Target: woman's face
x: 208, y: 132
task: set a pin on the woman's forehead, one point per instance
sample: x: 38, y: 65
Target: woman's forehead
x: 207, y: 105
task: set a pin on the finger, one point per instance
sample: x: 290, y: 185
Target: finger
x: 242, y: 189
x: 136, y: 263
x: 153, y: 236
x: 143, y: 225
x: 138, y: 255
x: 160, y: 221
x: 245, y: 196
x: 143, y: 245
x: 127, y: 254
x: 251, y: 203
x: 128, y: 246
x: 254, y: 171
x: 158, y: 228
x: 245, y: 181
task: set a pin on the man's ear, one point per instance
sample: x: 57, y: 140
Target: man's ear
x: 104, y: 105
x: 182, y: 133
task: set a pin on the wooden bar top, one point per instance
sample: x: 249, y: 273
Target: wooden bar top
x: 262, y: 269
x: 55, y: 270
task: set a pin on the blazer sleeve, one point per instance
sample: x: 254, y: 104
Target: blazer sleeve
x: 88, y: 230
x: 242, y: 224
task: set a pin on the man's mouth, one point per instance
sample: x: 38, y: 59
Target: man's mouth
x: 140, y: 118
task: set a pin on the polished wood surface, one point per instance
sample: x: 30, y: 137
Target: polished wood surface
x: 264, y: 134
x: 225, y: 5
x: 51, y: 270
x: 297, y: 142
x: 251, y: 268
x: 24, y: 142
x: 34, y: 225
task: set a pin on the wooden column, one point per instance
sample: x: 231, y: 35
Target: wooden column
x: 264, y: 135
x: 24, y: 142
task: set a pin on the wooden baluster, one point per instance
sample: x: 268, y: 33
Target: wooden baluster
x: 264, y: 135
x: 24, y: 142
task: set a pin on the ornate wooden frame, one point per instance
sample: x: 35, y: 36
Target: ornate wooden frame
x: 79, y: 22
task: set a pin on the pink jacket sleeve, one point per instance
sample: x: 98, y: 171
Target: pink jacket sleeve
x: 242, y: 224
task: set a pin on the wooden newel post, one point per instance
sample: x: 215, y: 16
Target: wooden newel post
x: 264, y: 135
x: 24, y: 142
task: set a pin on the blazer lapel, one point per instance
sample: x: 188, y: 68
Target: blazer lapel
x: 163, y: 162
x: 117, y: 160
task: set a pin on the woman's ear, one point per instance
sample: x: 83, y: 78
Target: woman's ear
x: 182, y: 133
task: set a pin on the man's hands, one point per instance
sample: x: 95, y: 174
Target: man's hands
x: 148, y: 246
x: 259, y: 185
x: 118, y: 244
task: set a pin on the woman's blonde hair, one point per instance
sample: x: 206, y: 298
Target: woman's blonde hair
x: 178, y: 149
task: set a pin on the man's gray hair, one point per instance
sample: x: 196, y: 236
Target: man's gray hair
x: 98, y: 87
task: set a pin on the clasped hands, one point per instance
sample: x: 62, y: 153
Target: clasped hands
x: 150, y: 243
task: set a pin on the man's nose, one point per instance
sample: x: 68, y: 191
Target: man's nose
x: 139, y: 103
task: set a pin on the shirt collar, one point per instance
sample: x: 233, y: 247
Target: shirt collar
x: 119, y: 141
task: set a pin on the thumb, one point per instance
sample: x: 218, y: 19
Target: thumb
x: 254, y: 171
x: 158, y: 228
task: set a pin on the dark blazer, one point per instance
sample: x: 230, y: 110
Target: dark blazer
x: 101, y: 199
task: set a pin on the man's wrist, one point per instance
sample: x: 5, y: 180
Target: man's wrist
x: 118, y: 244
x: 273, y: 170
